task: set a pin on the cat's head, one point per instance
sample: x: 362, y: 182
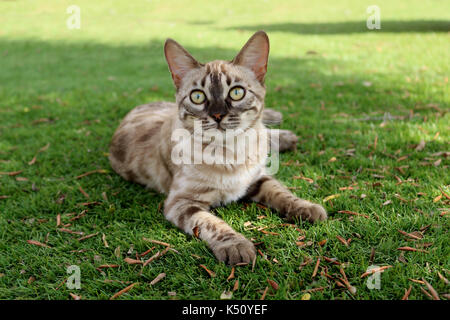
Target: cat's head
x: 221, y: 94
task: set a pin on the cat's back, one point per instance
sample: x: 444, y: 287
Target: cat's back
x: 135, y: 149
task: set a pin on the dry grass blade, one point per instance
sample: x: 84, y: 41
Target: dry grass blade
x: 353, y: 213
x: 412, y: 236
x: 374, y: 270
x: 91, y: 172
x: 314, y: 290
x: 264, y: 293
x: 211, y: 273
x: 412, y: 249
x: 83, y: 192
x: 316, y: 268
x: 132, y: 261
x: 156, y: 242
x: 58, y: 220
x: 108, y: 266
x: 350, y: 288
x: 37, y: 243
x: 121, y: 292
x: 407, y: 292
x: 431, y: 289
x: 158, y: 278
x: 443, y: 278
x: 88, y: 236
x: 426, y: 293
x: 105, y: 243
x: 11, y: 174
x: 342, y: 240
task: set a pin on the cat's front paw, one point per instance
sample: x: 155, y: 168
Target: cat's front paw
x: 234, y: 251
x: 311, y: 213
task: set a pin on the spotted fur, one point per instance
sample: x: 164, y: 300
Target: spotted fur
x: 141, y: 148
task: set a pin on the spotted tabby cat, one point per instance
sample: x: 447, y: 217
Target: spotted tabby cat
x: 222, y: 95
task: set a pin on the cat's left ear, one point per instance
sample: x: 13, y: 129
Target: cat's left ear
x: 255, y: 54
x: 179, y: 60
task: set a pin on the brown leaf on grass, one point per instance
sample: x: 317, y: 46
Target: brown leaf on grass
x: 414, y: 236
x: 426, y: 293
x: 105, y: 243
x: 12, y: 173
x: 264, y: 293
x: 74, y: 296
x: 375, y: 270
x: 83, y: 192
x: 211, y: 273
x: 433, y: 292
x: 146, y: 252
x: 108, y: 266
x: 231, y: 276
x: 58, y: 220
x: 342, y: 240
x: 331, y: 260
x: 269, y: 232
x: 316, y: 268
x: 411, y: 249
x: 37, y: 243
x: 303, y: 178
x: 132, y: 261
x: 322, y: 242
x: 353, y: 213
x: 350, y: 288
x: 91, y: 172
x: 420, y: 146
x: 236, y: 285
x: 156, y: 242
x: 314, y: 290
x: 407, y: 292
x: 416, y: 281
x: 438, y: 198
x: 4, y: 197
x: 443, y: 278
x: 70, y: 231
x: 158, y: 278
x: 387, y: 202
x: 87, y: 236
x: 31, y: 280
x: 123, y: 291
x: 273, y: 284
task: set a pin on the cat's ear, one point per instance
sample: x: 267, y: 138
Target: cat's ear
x: 254, y: 55
x: 179, y: 60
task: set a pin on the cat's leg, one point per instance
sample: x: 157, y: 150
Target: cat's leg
x: 270, y: 192
x: 189, y: 211
x: 285, y: 140
x: 271, y: 117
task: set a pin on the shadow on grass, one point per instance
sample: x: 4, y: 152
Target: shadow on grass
x: 391, y: 26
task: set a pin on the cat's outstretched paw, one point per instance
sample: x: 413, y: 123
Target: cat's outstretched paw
x: 309, y: 213
x: 234, y: 251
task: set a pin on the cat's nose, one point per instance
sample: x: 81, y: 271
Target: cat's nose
x: 218, y: 117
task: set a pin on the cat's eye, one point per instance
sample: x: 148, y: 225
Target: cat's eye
x: 197, y: 97
x: 237, y: 93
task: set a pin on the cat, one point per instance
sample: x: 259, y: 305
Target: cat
x: 221, y: 95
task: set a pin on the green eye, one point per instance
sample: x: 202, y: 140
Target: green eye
x: 237, y: 93
x: 197, y: 97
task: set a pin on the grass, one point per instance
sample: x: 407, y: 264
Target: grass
x: 360, y: 101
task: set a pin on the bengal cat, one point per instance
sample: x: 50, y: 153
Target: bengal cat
x: 221, y: 96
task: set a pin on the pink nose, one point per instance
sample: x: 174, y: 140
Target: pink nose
x: 218, y: 116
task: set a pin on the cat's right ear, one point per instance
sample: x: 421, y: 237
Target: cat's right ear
x: 179, y: 60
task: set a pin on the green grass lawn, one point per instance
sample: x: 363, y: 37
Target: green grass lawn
x: 361, y: 102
